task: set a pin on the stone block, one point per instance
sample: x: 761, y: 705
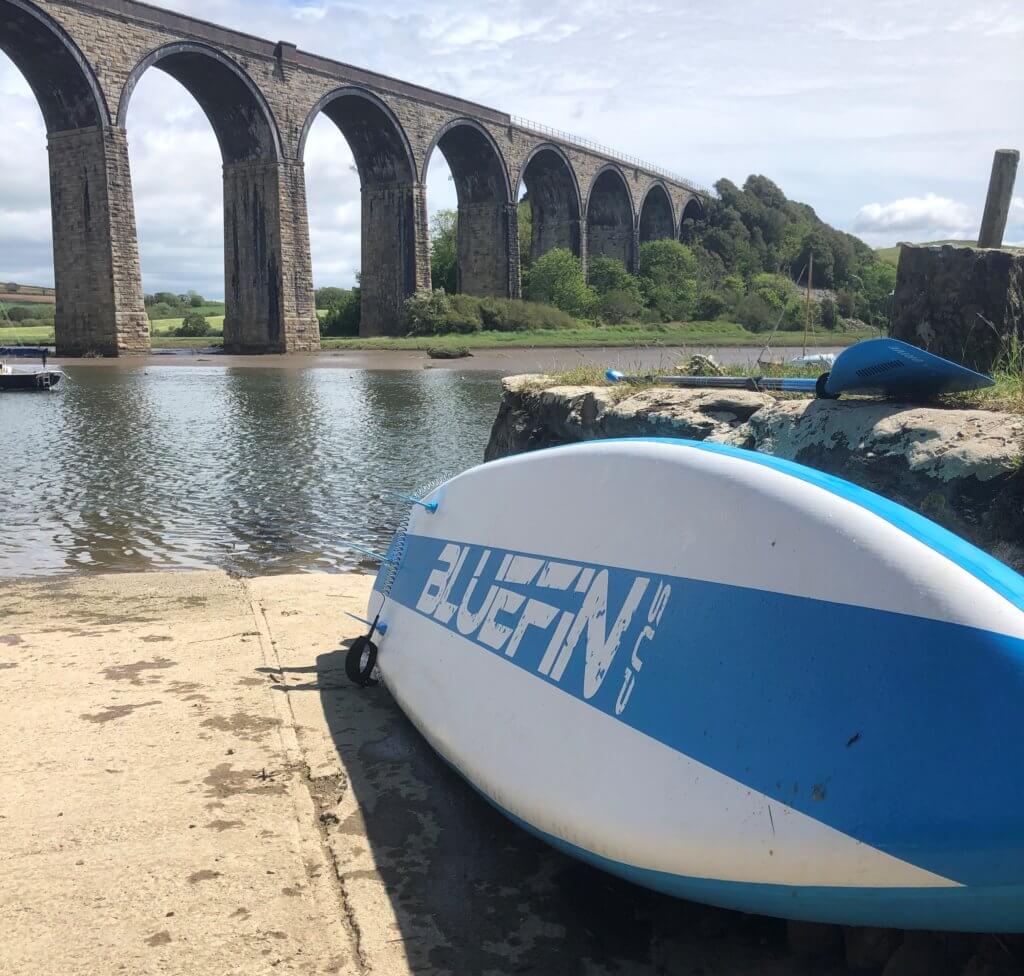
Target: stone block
x: 963, y: 303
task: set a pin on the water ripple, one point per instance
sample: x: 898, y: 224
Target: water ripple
x: 249, y: 470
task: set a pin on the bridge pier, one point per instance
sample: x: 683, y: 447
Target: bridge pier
x: 100, y: 310
x: 269, y: 304
x: 488, y: 249
x: 395, y: 254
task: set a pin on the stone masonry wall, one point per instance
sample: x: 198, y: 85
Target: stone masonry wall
x: 95, y: 249
x: 960, y: 468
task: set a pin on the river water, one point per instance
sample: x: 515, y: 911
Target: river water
x: 254, y: 466
x: 251, y: 470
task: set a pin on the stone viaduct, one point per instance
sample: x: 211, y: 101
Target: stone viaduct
x: 83, y: 59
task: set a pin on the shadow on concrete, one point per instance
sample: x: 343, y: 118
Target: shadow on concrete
x: 472, y: 893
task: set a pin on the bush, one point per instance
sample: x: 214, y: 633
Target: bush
x: 21, y: 313
x: 610, y: 274
x: 556, y: 278
x: 435, y: 313
x: 829, y: 318
x: 508, y: 315
x: 846, y: 304
x: 618, y: 306
x: 776, y: 290
x: 193, y: 326
x: 710, y: 305
x: 755, y: 313
x: 344, y: 315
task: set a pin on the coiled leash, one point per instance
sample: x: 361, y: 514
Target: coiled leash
x: 361, y: 659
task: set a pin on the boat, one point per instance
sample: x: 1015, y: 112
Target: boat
x: 29, y: 377
x: 720, y: 675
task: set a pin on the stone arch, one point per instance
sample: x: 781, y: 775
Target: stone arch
x: 391, y: 202
x: 378, y: 142
x: 238, y: 112
x: 63, y: 81
x: 488, y: 246
x: 267, y: 294
x: 555, y: 202
x: 693, y: 209
x: 657, y: 220
x: 611, y: 224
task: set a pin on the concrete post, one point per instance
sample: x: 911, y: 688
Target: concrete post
x: 396, y: 258
x: 488, y: 232
x: 1000, y: 194
x: 268, y: 270
x: 95, y: 246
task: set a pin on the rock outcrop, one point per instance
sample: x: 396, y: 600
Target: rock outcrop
x: 961, y: 468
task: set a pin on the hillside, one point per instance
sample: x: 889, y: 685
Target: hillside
x: 756, y: 230
x: 11, y: 293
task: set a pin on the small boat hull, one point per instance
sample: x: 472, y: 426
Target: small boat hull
x: 725, y: 677
x: 43, y: 379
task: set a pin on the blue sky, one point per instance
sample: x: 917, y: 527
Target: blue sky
x: 883, y: 115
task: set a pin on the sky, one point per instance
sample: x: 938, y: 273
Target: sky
x: 881, y: 114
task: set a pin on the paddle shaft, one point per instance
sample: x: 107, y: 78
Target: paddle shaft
x: 754, y: 383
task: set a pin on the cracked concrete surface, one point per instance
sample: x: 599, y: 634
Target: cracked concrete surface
x: 243, y: 809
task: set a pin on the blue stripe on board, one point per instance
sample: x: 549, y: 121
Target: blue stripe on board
x: 902, y: 732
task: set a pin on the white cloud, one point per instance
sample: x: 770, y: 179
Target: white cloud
x: 916, y: 216
x: 873, y: 101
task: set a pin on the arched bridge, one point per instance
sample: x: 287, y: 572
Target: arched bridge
x: 83, y: 59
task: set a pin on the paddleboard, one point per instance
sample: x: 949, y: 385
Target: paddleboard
x: 722, y: 676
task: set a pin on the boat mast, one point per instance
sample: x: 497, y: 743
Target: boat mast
x: 807, y: 317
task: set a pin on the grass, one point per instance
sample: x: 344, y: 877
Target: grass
x: 678, y: 334
x: 617, y: 336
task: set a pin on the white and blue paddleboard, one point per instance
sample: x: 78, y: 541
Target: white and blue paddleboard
x: 723, y: 676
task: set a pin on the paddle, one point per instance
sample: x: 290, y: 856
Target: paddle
x: 886, y: 366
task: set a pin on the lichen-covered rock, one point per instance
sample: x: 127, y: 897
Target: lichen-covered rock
x: 961, y: 468
x: 531, y: 417
x: 963, y: 303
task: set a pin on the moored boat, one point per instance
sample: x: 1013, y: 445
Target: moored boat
x: 29, y: 377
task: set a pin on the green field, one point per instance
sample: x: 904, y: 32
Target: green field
x: 680, y: 334
x: 891, y: 255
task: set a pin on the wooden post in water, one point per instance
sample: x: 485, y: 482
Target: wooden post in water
x: 1000, y: 193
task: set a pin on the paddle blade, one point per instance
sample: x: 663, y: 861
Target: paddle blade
x: 898, y: 369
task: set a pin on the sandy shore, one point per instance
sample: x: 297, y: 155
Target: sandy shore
x: 506, y: 361
x: 191, y: 786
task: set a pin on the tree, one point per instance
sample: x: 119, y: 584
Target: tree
x: 192, y: 326
x: 668, y: 279
x: 556, y: 278
x: 525, y: 215
x: 329, y: 297
x: 444, y: 251
x: 196, y: 300
x: 344, y: 315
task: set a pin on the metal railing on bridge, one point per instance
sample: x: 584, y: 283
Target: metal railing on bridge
x: 575, y: 140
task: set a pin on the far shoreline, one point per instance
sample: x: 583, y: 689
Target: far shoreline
x: 506, y: 360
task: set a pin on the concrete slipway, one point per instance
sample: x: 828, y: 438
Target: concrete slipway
x: 190, y: 785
